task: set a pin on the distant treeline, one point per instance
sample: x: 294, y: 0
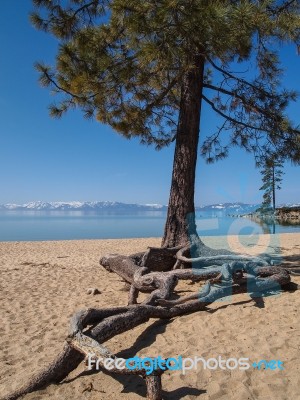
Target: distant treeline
x: 288, y: 209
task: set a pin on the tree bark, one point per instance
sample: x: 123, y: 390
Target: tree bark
x: 154, y: 389
x: 64, y: 363
x: 273, y: 186
x: 180, y: 227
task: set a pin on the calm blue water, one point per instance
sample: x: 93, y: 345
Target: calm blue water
x: 66, y: 225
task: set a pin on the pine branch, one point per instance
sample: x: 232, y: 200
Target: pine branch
x: 84, y: 7
x: 280, y: 9
x: 233, y: 120
x: 61, y: 89
x: 244, y: 101
x: 241, y: 80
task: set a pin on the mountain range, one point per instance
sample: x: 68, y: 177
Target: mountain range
x: 237, y: 207
x: 84, y: 206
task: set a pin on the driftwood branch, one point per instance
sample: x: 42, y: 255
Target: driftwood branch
x: 55, y: 372
x: 219, y: 259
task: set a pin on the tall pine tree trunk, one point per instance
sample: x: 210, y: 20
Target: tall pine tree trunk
x: 180, y: 225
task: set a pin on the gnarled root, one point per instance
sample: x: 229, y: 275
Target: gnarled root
x: 59, y: 369
x: 89, y: 329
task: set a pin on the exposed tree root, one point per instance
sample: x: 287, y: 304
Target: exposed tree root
x: 59, y: 369
x: 89, y: 329
x: 292, y: 272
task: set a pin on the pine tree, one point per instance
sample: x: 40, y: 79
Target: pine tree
x: 146, y: 66
x: 271, y: 177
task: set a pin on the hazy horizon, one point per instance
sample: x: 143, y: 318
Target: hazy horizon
x: 131, y: 203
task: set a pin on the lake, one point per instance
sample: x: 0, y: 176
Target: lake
x: 66, y: 225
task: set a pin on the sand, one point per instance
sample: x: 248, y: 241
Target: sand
x: 43, y: 283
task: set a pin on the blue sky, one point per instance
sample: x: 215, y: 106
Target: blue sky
x: 75, y: 159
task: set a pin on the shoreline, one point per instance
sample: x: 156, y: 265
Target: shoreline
x: 147, y: 238
x: 258, y: 244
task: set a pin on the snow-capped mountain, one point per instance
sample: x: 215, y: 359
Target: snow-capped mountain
x: 290, y: 205
x: 229, y: 208
x: 85, y: 206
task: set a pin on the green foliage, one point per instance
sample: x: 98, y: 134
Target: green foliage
x: 271, y: 177
x: 123, y: 63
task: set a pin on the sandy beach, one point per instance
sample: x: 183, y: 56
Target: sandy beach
x: 43, y: 283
